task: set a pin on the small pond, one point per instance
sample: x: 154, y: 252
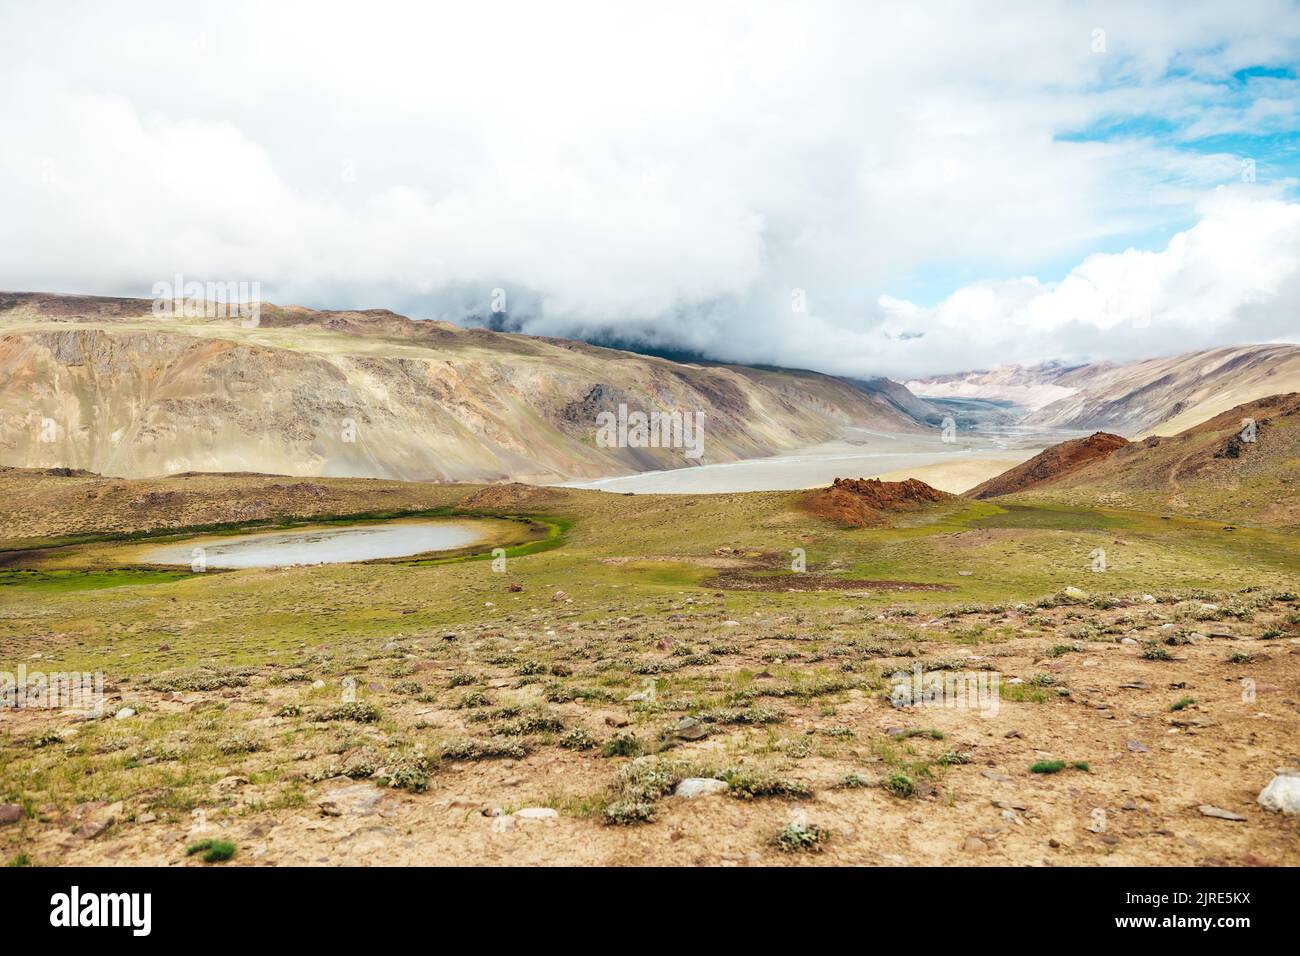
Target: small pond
x: 362, y: 542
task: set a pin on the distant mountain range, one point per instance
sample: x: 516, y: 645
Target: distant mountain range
x: 103, y: 384
x: 1160, y: 396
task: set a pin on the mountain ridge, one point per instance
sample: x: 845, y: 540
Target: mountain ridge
x: 103, y: 384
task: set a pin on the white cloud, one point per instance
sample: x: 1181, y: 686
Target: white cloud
x: 668, y: 171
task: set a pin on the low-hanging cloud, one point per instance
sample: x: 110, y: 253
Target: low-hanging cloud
x: 753, y: 182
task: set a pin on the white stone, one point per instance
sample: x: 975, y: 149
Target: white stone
x: 536, y: 813
x: 124, y: 713
x: 1282, y: 793
x: 700, y: 787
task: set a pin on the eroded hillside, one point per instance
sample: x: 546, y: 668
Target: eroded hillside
x: 104, y: 385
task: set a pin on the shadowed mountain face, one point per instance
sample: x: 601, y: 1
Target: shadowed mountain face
x: 1243, y: 465
x: 103, y: 384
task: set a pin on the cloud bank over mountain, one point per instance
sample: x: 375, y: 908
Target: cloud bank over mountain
x: 902, y: 191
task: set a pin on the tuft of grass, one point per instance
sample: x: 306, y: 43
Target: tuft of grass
x: 483, y: 749
x: 798, y: 837
x: 621, y: 745
x: 578, y: 739
x: 1059, y: 650
x: 749, y: 784
x: 22, y: 859
x: 358, y: 712
x: 214, y: 851
x: 1047, y: 766
x: 1151, y: 651
x: 1182, y: 703
x: 918, y: 732
x: 899, y: 784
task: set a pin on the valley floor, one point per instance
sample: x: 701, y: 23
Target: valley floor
x: 454, y: 712
x: 952, y: 467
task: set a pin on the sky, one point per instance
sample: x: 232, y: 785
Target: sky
x: 864, y: 189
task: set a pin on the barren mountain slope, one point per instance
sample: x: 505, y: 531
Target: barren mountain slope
x: 1160, y: 396
x: 1166, y: 395
x: 104, y: 385
x: 1030, y: 388
x: 1051, y: 464
x: 1208, y: 470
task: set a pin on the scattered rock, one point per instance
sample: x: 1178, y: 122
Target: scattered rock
x: 688, y: 728
x: 559, y: 596
x: 616, y: 720
x: 974, y: 844
x: 10, y: 813
x: 537, y: 813
x: 1282, y: 793
x: 1138, y: 747
x: 1219, y: 813
x: 700, y: 787
x: 360, y: 799
x: 516, y: 588
x: 95, y: 818
x: 124, y: 713
x: 1075, y: 594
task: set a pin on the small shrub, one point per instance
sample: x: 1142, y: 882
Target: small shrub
x: 483, y: 749
x: 621, y: 745
x: 577, y: 739
x: 799, y: 837
x: 357, y: 711
x: 899, y: 784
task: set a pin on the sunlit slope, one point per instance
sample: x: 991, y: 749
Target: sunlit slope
x: 1213, y: 469
x: 102, y: 384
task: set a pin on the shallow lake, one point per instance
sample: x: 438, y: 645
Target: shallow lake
x: 362, y: 542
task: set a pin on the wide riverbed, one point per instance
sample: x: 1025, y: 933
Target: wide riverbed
x: 954, y: 467
x: 362, y: 542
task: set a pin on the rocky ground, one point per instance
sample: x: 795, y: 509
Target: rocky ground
x: 624, y: 698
